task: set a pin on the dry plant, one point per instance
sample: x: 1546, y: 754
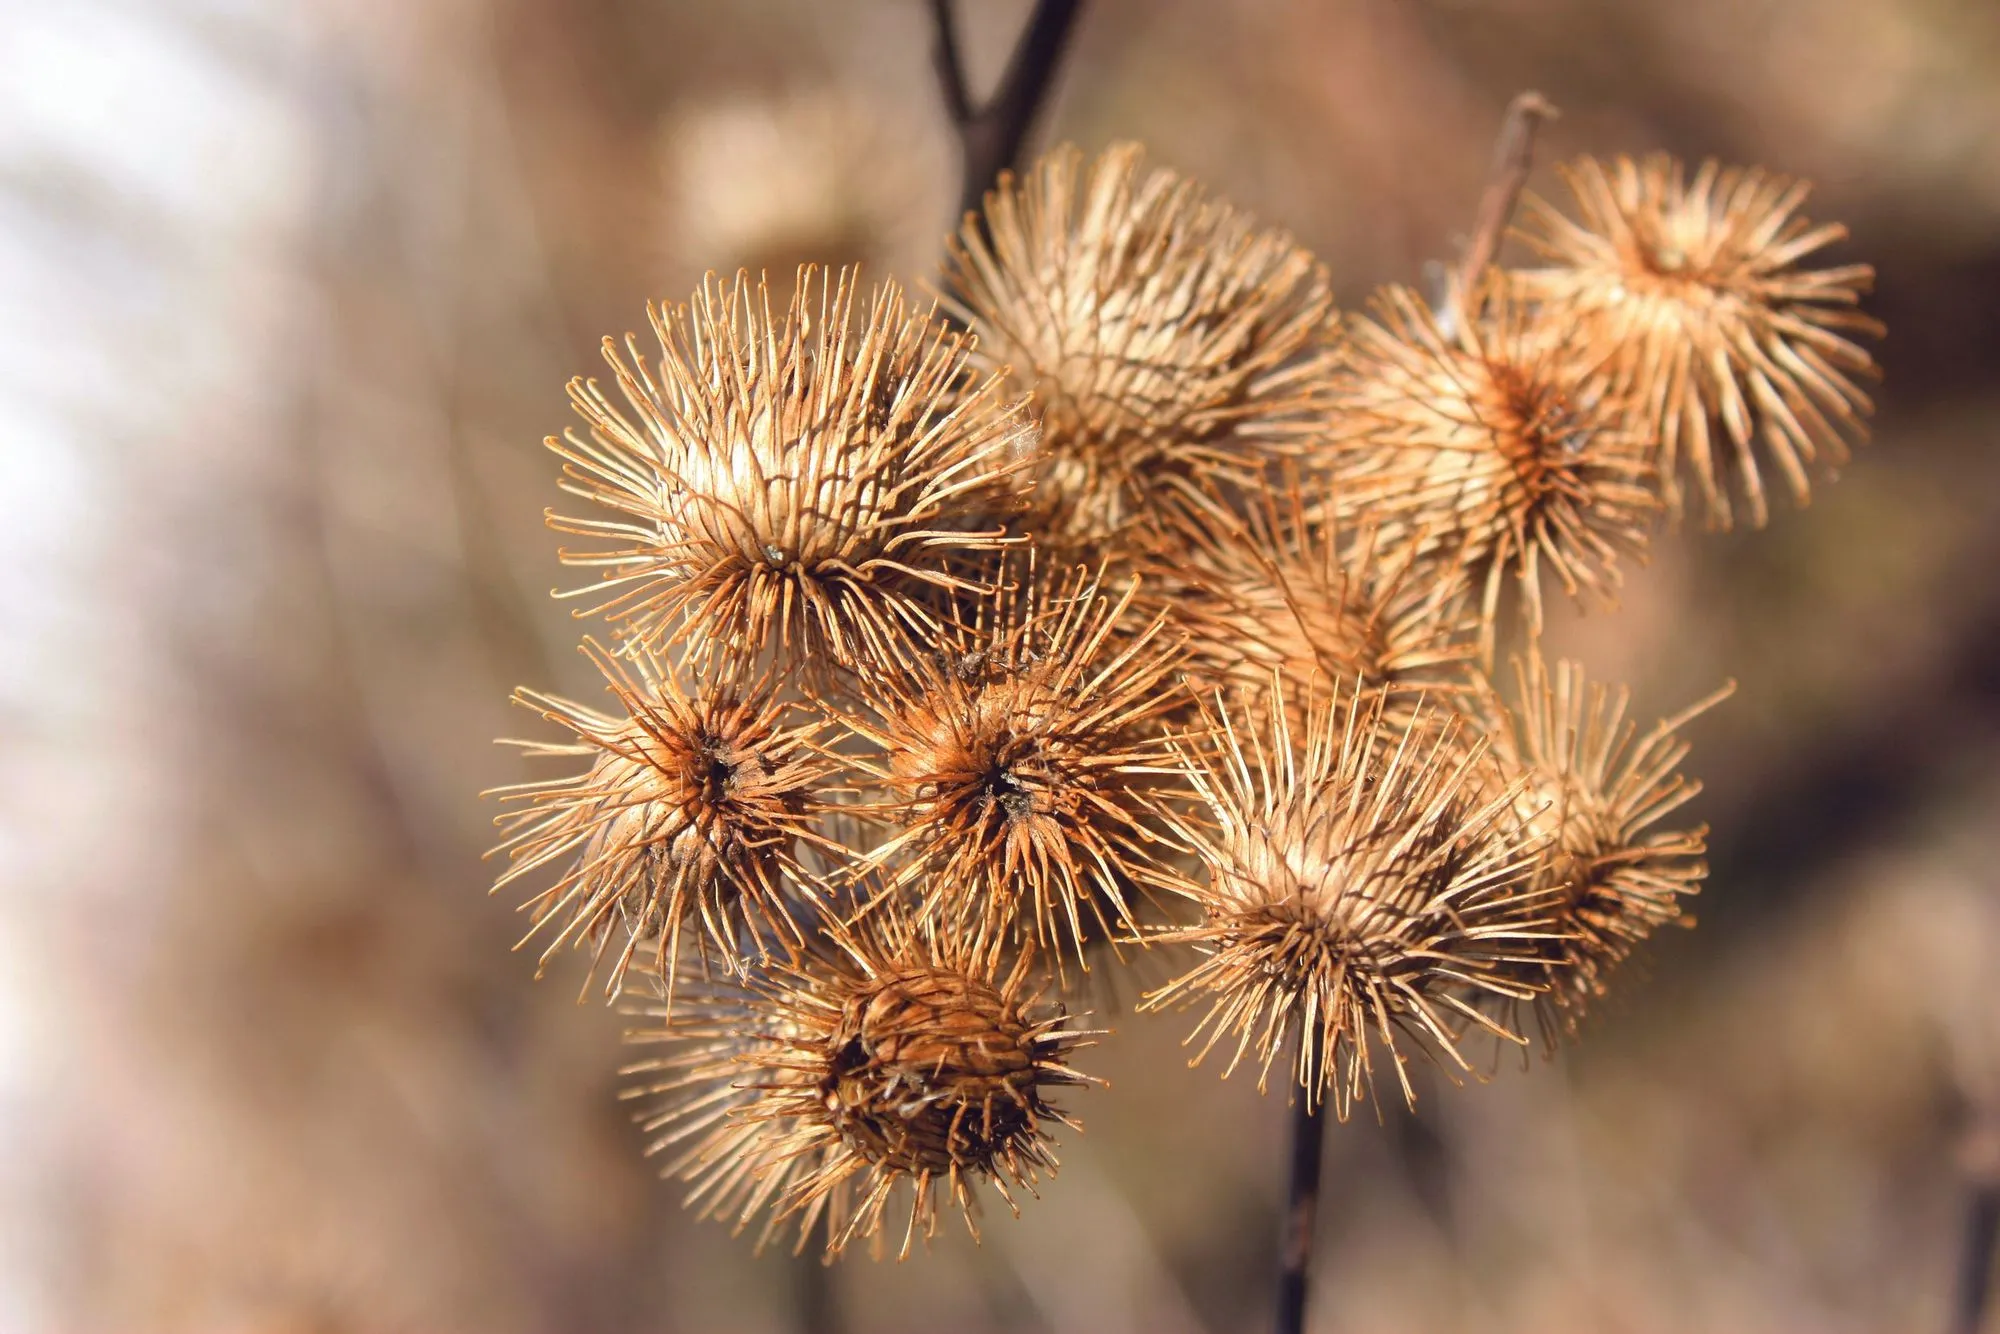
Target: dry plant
x: 947, y: 642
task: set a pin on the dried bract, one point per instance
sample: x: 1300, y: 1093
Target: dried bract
x: 1595, y: 791
x: 1356, y: 893
x: 694, y: 806
x: 1160, y: 330
x: 897, y: 1066
x: 795, y: 484
x: 1018, y: 754
x: 1496, y: 449
x: 1693, y: 290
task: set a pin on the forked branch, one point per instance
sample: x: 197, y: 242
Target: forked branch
x: 991, y: 134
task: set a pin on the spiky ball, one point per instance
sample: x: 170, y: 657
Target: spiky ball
x: 892, y: 1064
x: 1692, y: 290
x: 801, y: 484
x: 1017, y: 757
x: 693, y: 807
x: 1159, y: 330
x: 1596, y: 793
x: 1355, y: 893
x: 1264, y: 589
x: 1496, y: 448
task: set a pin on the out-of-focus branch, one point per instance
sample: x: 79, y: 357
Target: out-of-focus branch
x: 1975, y: 1275
x: 1981, y: 1238
x: 1295, y: 1247
x: 990, y: 135
x: 1513, y: 159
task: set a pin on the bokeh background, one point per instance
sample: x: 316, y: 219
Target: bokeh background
x: 288, y: 294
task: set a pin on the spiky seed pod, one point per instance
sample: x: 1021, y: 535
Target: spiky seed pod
x: 1018, y: 756
x: 889, y: 1063
x: 1264, y: 589
x: 693, y: 808
x: 1595, y: 791
x: 794, y: 484
x: 1160, y: 331
x: 1495, y: 448
x: 1356, y: 893
x: 1693, y: 289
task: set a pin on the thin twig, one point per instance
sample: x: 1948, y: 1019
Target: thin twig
x: 1975, y: 1275
x: 818, y: 1308
x: 1982, y: 1231
x: 1513, y: 159
x: 1301, y: 1207
x: 990, y: 136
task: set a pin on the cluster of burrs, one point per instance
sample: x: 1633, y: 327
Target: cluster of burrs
x: 1133, y: 597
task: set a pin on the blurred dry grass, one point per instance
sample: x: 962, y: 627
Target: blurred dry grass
x: 287, y: 297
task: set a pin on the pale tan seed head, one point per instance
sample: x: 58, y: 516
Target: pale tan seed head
x: 1693, y: 292
x: 1160, y: 331
x: 1498, y: 448
x: 1357, y: 892
x: 799, y: 483
x: 1596, y: 793
x: 1017, y: 755
x: 691, y: 811
x: 1262, y: 588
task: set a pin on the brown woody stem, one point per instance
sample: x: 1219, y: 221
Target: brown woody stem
x: 1975, y: 1265
x: 1295, y: 1247
x: 990, y: 136
x: 1513, y: 159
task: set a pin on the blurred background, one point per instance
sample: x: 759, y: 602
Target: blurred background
x: 288, y: 295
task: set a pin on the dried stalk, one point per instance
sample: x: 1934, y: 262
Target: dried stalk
x: 1513, y: 159
x: 1295, y: 1249
x: 1974, y: 1292
x: 990, y: 135
x: 1975, y: 1276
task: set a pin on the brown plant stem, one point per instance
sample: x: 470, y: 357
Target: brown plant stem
x: 1975, y: 1265
x: 990, y: 136
x: 1513, y: 159
x: 818, y: 1309
x: 1295, y: 1246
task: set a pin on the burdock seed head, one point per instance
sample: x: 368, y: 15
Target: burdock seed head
x: 1596, y: 793
x: 1497, y: 448
x: 797, y: 483
x: 889, y: 1065
x: 1356, y: 892
x: 1159, y: 330
x: 1693, y: 290
x: 1017, y: 754
x: 691, y: 812
x: 1264, y: 589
